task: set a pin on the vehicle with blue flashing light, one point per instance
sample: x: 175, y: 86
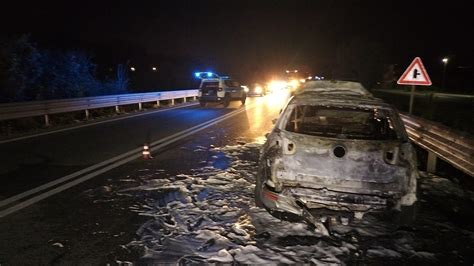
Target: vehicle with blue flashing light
x: 219, y: 89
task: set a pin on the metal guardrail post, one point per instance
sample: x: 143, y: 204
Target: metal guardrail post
x: 184, y: 99
x: 157, y: 103
x: 172, y: 101
x: 140, y: 106
x: 117, y: 109
x: 46, y: 120
x: 87, y: 114
x: 431, y: 164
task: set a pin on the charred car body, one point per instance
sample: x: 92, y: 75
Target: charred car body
x: 336, y: 151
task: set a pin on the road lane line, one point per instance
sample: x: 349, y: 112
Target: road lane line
x: 95, y: 123
x: 109, y: 164
x: 94, y: 167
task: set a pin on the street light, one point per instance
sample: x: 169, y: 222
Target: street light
x: 132, y: 69
x: 153, y: 68
x: 445, y: 63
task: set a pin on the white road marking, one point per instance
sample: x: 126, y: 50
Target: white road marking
x: 106, y: 166
x: 95, y: 123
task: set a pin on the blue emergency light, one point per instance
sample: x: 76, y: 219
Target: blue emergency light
x: 201, y: 75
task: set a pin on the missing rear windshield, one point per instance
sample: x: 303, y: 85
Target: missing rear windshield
x: 344, y: 123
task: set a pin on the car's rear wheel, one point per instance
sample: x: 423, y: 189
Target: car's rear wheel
x: 243, y: 99
x: 226, y: 101
x: 202, y: 104
x: 407, y: 215
x: 258, y: 193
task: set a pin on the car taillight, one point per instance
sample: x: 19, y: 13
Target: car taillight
x: 391, y: 156
x: 289, y: 147
x: 270, y: 195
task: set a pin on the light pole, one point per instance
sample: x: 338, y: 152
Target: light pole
x: 445, y: 64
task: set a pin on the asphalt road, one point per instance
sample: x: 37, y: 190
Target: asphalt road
x: 31, y: 162
x: 193, y: 203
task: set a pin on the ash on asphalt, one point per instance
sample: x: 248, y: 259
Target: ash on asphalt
x: 208, y: 215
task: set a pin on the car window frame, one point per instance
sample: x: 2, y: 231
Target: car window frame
x: 399, y: 128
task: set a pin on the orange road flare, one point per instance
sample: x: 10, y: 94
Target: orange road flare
x: 146, y: 152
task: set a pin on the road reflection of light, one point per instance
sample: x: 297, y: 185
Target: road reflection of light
x: 264, y: 111
x: 260, y: 139
x: 257, y: 118
x: 278, y: 99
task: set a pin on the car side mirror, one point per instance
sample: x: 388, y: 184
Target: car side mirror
x: 274, y: 121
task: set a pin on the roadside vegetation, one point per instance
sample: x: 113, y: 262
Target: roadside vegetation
x: 28, y: 73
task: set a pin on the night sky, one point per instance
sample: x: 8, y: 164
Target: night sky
x: 254, y: 39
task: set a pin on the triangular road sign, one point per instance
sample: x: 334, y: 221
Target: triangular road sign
x: 415, y: 74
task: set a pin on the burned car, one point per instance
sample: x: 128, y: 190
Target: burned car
x: 338, y: 152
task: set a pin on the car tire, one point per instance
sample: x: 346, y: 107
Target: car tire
x: 202, y: 104
x: 407, y: 215
x: 226, y: 101
x: 243, y: 99
x: 258, y: 193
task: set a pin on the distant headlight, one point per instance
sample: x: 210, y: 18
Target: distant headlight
x: 276, y: 85
x: 294, y: 83
x: 258, y: 90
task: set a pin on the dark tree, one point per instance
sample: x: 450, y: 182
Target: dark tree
x: 29, y: 73
x: 20, y: 69
x: 120, y: 83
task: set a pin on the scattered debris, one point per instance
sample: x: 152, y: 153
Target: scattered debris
x: 209, y: 216
x: 57, y: 244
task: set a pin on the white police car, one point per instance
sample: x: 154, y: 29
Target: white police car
x: 214, y: 88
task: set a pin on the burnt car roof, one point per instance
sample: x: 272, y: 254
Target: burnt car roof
x: 336, y: 92
x: 335, y: 87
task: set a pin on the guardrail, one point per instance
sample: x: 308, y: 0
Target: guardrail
x: 45, y: 108
x: 433, y: 96
x: 455, y: 147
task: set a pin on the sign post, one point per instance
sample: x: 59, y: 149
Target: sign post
x: 412, y: 97
x: 414, y: 75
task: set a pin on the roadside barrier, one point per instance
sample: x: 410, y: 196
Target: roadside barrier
x: 10, y: 111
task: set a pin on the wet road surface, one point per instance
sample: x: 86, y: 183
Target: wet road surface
x: 35, y: 161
